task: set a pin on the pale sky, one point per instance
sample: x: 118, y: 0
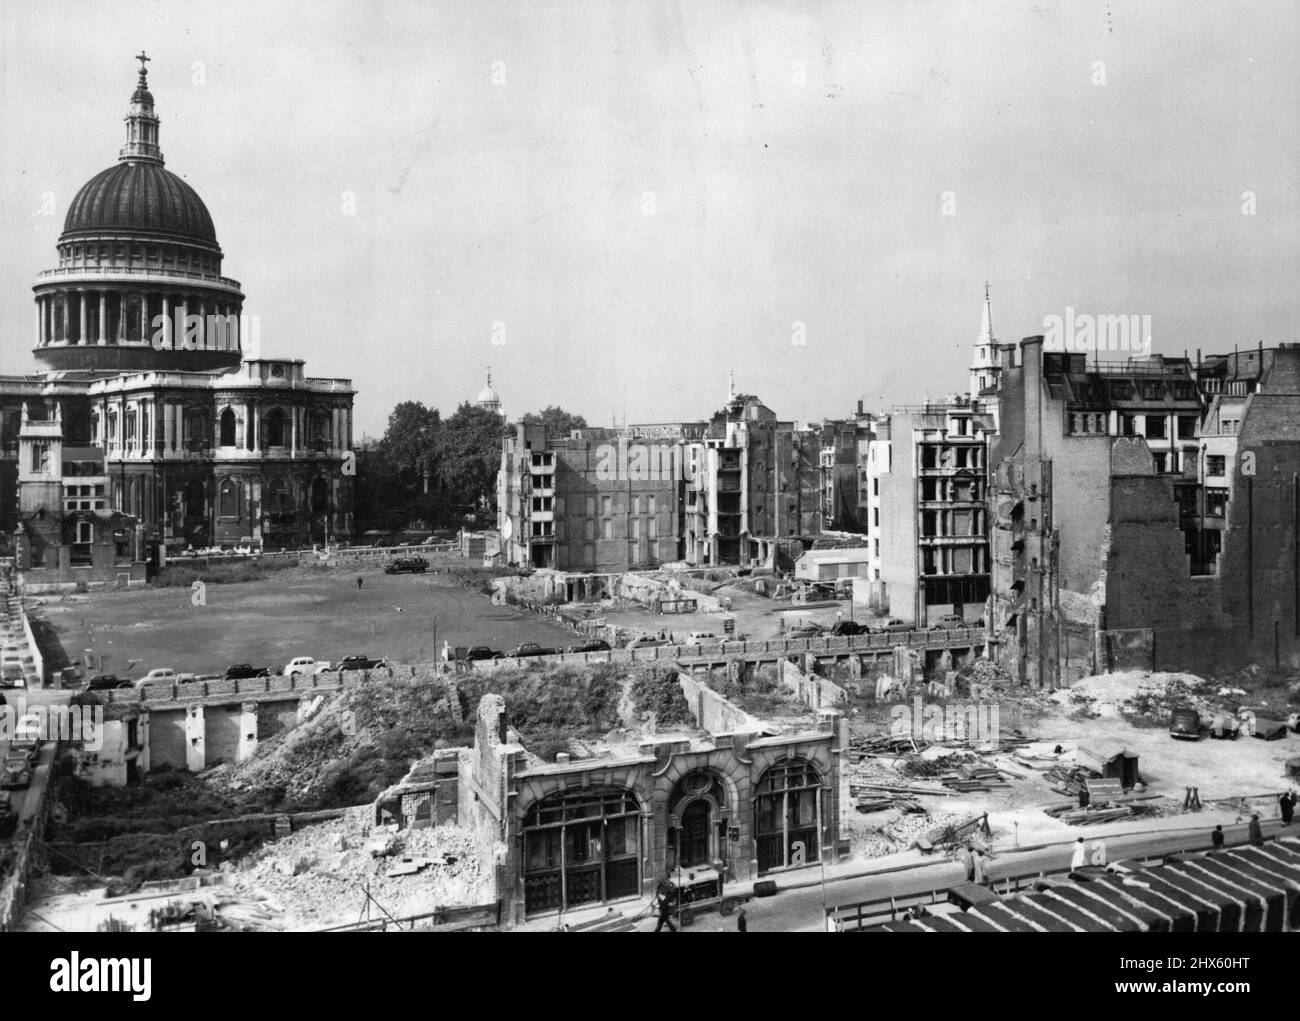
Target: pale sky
x: 653, y: 193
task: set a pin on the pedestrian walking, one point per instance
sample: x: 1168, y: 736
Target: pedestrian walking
x: 360, y: 582
x: 1080, y: 857
x: 664, y: 893
x: 1216, y: 838
x: 1286, y: 804
x: 980, y: 876
x: 968, y: 860
x: 742, y: 924
x: 1256, y: 831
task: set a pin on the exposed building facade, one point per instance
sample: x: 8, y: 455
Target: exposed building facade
x: 1146, y: 513
x: 736, y: 490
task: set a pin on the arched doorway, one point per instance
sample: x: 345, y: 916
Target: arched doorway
x: 581, y: 847
x: 787, y: 815
x: 699, y: 812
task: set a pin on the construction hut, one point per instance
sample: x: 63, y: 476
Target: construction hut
x: 1111, y: 761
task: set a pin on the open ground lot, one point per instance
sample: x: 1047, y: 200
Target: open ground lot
x: 305, y: 611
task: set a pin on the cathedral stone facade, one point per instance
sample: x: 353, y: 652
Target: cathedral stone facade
x: 150, y: 420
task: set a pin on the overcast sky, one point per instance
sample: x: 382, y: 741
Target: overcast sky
x: 650, y: 194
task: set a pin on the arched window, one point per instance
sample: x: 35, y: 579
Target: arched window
x: 787, y: 815
x: 320, y: 496
x: 228, y: 428
x: 581, y: 847
x: 275, y: 428
x: 279, y: 503
x: 195, y: 498
x: 229, y: 498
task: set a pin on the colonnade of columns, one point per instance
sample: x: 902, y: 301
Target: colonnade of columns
x: 96, y: 316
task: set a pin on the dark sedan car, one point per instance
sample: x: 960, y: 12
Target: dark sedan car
x: 107, y: 682
x: 481, y: 652
x: 596, y: 645
x: 360, y: 663
x: 243, y: 671
x: 407, y: 565
x: 846, y: 627
x: 529, y: 649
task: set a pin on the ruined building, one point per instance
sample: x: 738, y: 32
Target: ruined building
x: 1146, y: 513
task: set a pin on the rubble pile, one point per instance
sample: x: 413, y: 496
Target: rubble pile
x: 320, y: 875
x: 1136, y: 695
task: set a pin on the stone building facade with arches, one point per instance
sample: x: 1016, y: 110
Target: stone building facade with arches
x: 709, y: 809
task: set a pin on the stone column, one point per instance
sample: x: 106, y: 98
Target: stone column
x: 81, y: 301
x: 121, y: 317
x: 195, y: 739
x: 293, y: 431
x: 38, y: 322
x: 247, y: 731
x: 103, y: 317
x: 144, y: 317
x: 167, y: 316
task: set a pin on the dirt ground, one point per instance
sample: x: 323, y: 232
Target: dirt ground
x: 758, y: 617
x: 1233, y: 778
x: 305, y: 611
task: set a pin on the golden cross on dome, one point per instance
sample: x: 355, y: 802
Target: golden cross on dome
x: 143, y: 59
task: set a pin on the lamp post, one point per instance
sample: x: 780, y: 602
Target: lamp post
x: 435, y: 642
x: 675, y: 822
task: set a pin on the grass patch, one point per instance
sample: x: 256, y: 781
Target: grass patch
x: 658, y: 691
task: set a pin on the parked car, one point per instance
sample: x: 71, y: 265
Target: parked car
x: 595, y: 645
x: 361, y: 663
x: 27, y: 745
x: 243, y: 671
x: 529, y: 649
x: 481, y: 652
x: 16, y: 771
x: 407, y: 565
x: 305, y: 665
x: 844, y: 628
x: 949, y: 622
x: 1225, y: 727
x: 647, y: 642
x: 158, y: 675
x: 107, y: 682
x: 701, y: 638
x: 1185, y: 724
x: 11, y: 676
x: 8, y: 818
x: 805, y: 631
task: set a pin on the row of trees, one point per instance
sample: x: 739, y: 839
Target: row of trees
x: 438, y: 470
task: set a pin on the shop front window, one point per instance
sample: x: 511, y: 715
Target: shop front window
x: 581, y: 848
x: 787, y: 816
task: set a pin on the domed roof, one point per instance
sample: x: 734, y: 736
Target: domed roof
x: 140, y: 197
x: 488, y: 396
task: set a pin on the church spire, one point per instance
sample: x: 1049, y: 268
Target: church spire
x: 141, y: 122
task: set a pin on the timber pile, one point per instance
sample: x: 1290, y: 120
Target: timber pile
x: 1067, y: 780
x: 1118, y: 808
x: 975, y: 776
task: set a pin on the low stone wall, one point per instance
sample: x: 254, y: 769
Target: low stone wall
x: 713, y: 712
x: 813, y: 691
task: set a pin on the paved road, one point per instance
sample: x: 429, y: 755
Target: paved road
x: 800, y: 910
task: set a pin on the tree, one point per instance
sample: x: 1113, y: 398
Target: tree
x: 556, y: 420
x: 469, y: 455
x: 411, y: 440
